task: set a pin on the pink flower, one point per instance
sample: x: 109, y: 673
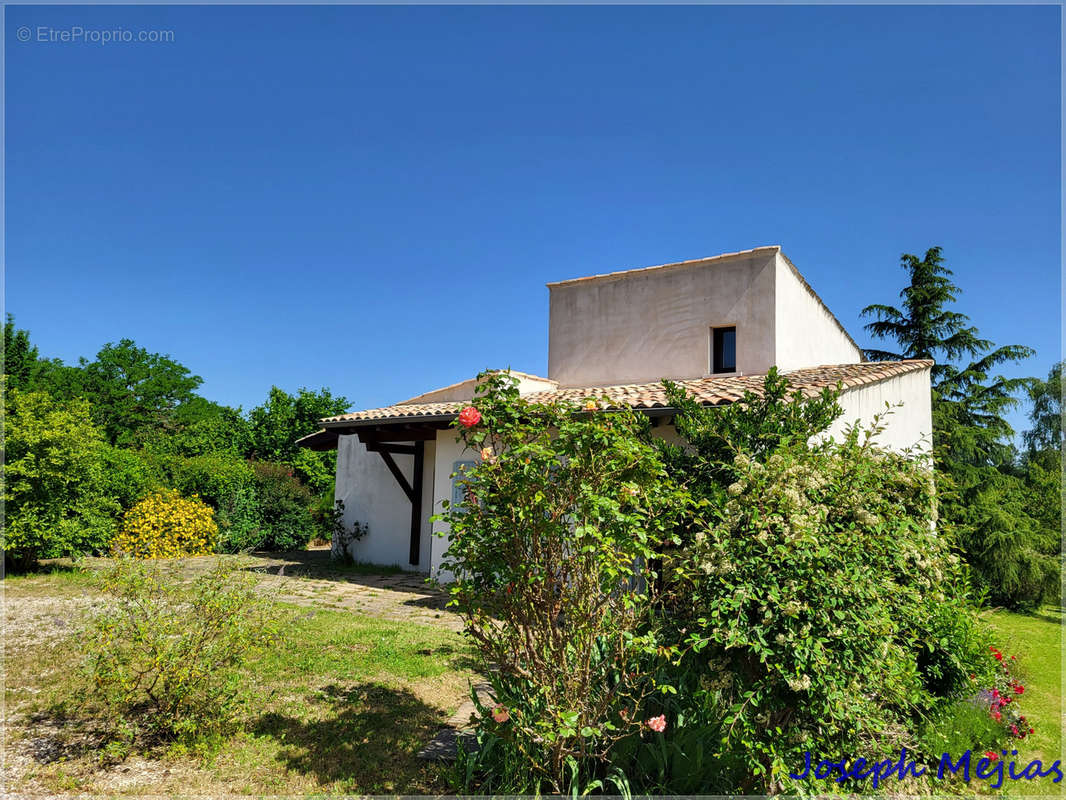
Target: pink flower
x: 657, y: 724
x: 995, y: 692
x: 469, y: 417
x: 500, y: 714
x: 996, y: 716
x: 1014, y: 729
x: 991, y: 756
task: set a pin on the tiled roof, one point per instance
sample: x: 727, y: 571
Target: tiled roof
x: 710, y: 391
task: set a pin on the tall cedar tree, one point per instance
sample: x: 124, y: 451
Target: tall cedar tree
x: 968, y: 405
x: 982, y: 502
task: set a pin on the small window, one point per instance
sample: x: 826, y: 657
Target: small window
x: 724, y: 350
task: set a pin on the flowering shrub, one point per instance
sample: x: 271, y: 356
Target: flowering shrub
x: 552, y: 555
x: 681, y: 620
x: 166, y: 525
x: 1001, y: 699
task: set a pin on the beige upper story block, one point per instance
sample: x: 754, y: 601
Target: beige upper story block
x: 640, y: 325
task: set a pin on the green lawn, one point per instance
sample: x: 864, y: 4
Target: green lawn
x: 344, y: 702
x: 1036, y: 639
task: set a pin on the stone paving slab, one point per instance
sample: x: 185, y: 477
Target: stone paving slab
x: 444, y: 746
x: 310, y: 577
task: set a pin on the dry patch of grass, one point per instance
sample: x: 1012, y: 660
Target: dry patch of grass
x: 343, y: 703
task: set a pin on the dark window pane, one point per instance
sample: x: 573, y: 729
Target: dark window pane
x: 725, y: 350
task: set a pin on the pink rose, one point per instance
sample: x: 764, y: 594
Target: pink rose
x: 657, y: 724
x: 469, y: 417
x: 500, y: 714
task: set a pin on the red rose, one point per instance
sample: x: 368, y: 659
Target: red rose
x: 991, y: 756
x: 996, y: 716
x: 1031, y: 730
x: 469, y: 417
x: 1019, y: 689
x: 999, y: 656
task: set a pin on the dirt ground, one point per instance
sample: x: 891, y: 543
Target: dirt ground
x: 40, y: 612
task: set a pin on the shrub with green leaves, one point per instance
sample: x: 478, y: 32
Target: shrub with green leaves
x: 164, y: 658
x: 56, y: 496
x: 227, y: 483
x: 553, y: 557
x: 284, y: 507
x: 792, y: 596
x: 837, y: 612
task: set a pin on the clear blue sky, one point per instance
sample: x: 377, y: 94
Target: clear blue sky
x: 372, y: 199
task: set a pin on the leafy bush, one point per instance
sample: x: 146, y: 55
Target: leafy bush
x: 129, y: 475
x: 55, y: 492
x: 552, y: 558
x: 166, y: 525
x: 794, y: 596
x: 164, y: 659
x: 227, y: 483
x: 284, y: 506
x: 815, y: 590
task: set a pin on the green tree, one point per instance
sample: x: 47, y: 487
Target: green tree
x: 968, y: 403
x: 972, y: 444
x: 199, y: 426
x: 134, y: 391
x: 1046, y: 415
x: 54, y: 485
x: 20, y: 357
x: 275, y: 426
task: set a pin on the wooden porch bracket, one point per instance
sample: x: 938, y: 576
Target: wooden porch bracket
x: 413, y: 490
x: 398, y: 475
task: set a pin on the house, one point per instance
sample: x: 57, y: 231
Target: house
x: 716, y: 325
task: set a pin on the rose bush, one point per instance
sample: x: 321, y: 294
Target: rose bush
x: 693, y: 618
x: 553, y: 556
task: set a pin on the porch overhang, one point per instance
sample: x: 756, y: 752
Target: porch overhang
x: 388, y: 440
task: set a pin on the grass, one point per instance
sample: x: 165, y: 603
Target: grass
x: 344, y: 702
x: 1036, y: 639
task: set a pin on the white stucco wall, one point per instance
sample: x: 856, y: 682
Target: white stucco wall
x: 447, y: 452
x: 805, y: 332
x: 644, y: 325
x: 372, y: 496
x: 909, y: 425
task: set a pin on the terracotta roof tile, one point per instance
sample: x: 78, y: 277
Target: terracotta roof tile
x: 710, y: 391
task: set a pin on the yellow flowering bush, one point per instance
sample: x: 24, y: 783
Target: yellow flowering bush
x: 166, y: 525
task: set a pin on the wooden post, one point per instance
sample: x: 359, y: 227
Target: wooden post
x: 416, y: 502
